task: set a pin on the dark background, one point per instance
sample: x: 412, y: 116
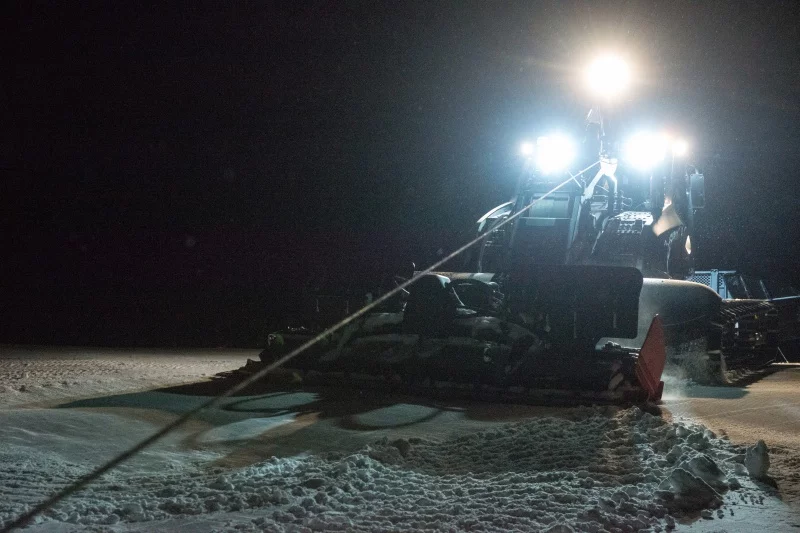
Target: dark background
x: 171, y: 175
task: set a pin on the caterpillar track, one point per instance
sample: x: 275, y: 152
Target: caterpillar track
x: 537, y: 341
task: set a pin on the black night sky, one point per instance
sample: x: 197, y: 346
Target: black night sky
x: 171, y: 173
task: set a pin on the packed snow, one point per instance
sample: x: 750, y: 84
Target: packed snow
x: 31, y: 375
x: 298, y: 462
x: 597, y: 470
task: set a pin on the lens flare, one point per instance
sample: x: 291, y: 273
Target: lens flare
x: 554, y: 153
x: 608, y: 76
x: 645, y: 150
x: 527, y: 149
x: 680, y: 147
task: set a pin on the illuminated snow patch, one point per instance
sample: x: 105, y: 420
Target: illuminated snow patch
x: 244, y: 429
x: 594, y: 470
x: 395, y: 415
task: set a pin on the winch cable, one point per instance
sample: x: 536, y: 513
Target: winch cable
x: 83, y: 481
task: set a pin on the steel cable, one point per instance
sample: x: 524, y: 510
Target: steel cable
x: 83, y: 481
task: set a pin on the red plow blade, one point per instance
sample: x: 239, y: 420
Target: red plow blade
x: 652, y: 359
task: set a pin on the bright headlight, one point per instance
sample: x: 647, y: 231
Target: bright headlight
x: 527, y: 149
x: 680, y: 147
x: 645, y: 150
x: 608, y: 76
x: 554, y: 153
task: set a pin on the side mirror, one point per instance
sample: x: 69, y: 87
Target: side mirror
x: 697, y: 191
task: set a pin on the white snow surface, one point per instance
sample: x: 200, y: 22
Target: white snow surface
x: 34, y: 375
x: 598, y: 469
x: 302, y: 462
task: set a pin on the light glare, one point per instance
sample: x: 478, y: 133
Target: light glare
x: 526, y: 149
x: 680, y: 147
x: 646, y: 150
x: 554, y: 153
x: 608, y: 76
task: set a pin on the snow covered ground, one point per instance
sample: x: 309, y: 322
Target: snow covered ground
x: 30, y: 375
x: 325, y: 460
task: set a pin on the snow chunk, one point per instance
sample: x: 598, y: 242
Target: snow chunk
x: 221, y: 483
x: 706, y: 469
x: 757, y: 460
x: 691, y: 491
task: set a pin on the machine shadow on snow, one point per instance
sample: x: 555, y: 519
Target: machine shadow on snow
x: 330, y: 402
x: 266, y: 399
x: 267, y: 420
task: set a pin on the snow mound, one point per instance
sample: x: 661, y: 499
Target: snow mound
x: 756, y: 460
x: 596, y: 470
